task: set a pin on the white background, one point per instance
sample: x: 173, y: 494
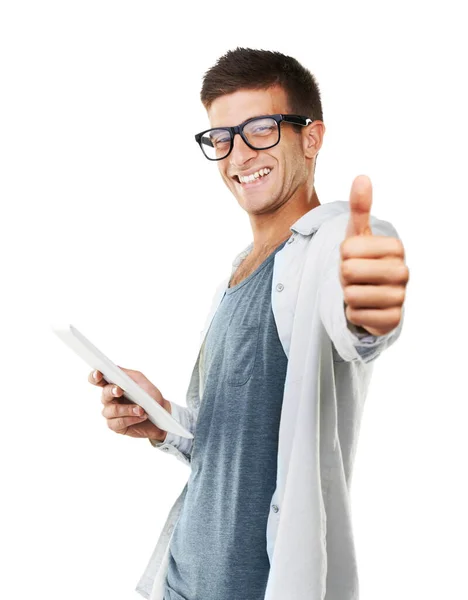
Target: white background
x: 113, y: 220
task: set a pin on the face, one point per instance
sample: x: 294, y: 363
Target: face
x: 289, y: 161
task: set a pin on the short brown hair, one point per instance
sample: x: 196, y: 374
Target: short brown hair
x: 245, y: 68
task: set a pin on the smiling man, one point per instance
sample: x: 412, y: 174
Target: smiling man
x: 275, y: 186
x: 277, y: 391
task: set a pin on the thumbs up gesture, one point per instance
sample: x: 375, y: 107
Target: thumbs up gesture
x: 373, y: 273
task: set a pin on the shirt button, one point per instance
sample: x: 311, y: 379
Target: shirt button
x: 280, y: 287
x: 165, y: 448
x: 275, y: 508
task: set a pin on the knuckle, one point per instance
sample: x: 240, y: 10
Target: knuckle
x: 109, y: 411
x: 350, y: 294
x: 396, y: 316
x: 406, y: 274
x: 402, y: 273
x: 399, y: 248
x: 345, y: 269
x: 343, y: 250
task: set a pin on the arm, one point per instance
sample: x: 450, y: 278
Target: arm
x: 367, y: 267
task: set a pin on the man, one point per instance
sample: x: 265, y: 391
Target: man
x: 285, y: 359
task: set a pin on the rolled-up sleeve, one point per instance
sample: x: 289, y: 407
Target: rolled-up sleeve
x: 177, y: 445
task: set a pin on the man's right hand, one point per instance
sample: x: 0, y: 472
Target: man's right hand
x: 124, y: 416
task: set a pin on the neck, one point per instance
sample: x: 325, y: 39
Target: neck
x: 270, y: 230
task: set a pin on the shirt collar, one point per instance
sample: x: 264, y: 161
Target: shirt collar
x: 307, y: 224
x: 313, y: 219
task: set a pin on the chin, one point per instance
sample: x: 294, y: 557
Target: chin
x: 256, y: 205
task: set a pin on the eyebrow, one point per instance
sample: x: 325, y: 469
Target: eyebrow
x: 242, y: 122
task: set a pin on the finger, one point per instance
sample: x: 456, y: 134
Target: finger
x: 113, y: 410
x: 390, y: 271
x: 110, y: 392
x: 96, y: 378
x: 375, y: 246
x: 121, y: 424
x: 360, y: 203
x: 374, y: 296
x: 386, y: 318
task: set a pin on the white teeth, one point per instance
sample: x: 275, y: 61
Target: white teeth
x: 254, y: 176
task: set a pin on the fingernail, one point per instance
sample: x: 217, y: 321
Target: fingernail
x: 137, y: 410
x: 95, y: 375
x: 114, y: 390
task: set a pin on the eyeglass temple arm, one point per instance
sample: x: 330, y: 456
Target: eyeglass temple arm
x: 206, y: 140
x: 297, y: 119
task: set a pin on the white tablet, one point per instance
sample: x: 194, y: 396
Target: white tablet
x: 113, y: 374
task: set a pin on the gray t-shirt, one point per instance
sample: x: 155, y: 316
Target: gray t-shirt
x: 218, y: 548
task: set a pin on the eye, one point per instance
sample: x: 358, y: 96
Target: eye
x: 262, y: 129
x: 220, y: 140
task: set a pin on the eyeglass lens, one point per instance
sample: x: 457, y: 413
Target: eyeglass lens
x: 260, y: 133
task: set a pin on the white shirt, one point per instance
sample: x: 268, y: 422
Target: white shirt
x: 309, y: 537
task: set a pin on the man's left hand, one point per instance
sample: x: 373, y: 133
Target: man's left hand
x: 373, y: 273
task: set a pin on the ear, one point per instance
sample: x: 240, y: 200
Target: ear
x: 312, y: 138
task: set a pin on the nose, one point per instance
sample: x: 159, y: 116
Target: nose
x: 240, y: 152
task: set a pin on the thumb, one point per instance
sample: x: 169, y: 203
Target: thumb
x: 360, y: 203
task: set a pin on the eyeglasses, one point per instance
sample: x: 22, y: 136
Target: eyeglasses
x: 259, y: 133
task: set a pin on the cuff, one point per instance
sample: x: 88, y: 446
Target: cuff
x: 184, y: 445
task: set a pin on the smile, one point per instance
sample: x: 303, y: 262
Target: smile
x: 253, y: 178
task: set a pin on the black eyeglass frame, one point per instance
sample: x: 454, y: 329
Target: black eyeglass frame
x: 294, y: 119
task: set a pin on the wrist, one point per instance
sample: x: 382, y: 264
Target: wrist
x: 160, y: 438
